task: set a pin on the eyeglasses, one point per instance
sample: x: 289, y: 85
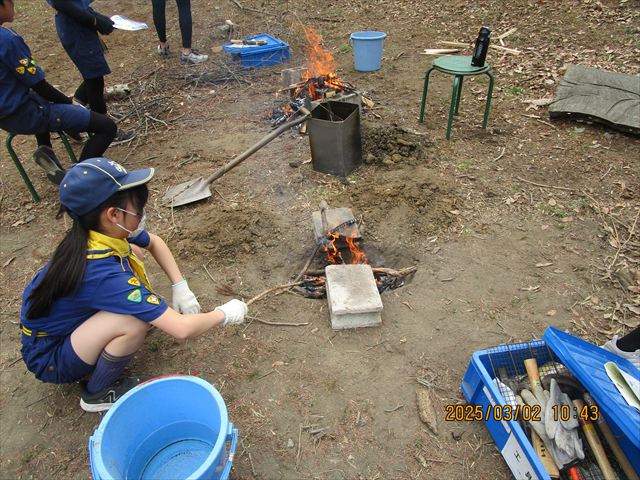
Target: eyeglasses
x: 139, y: 215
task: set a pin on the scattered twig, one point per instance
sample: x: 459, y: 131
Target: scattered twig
x: 205, y: 269
x: 270, y: 290
x: 253, y: 469
x: 265, y: 375
x: 278, y: 324
x: 391, y: 410
x: 38, y: 401
x: 546, y: 186
x: 606, y: 173
x: 504, y: 149
x: 299, y: 446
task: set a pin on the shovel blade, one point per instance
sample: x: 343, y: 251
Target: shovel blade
x: 187, y: 192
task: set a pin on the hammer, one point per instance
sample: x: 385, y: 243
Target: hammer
x: 575, y: 391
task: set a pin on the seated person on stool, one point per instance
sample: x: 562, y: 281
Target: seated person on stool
x: 29, y: 105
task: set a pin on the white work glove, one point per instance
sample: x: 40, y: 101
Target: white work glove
x: 234, y: 312
x: 184, y: 301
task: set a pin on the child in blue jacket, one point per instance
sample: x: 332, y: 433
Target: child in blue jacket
x: 87, y: 312
x: 78, y: 26
x: 30, y: 105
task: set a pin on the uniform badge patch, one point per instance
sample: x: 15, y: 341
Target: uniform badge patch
x: 134, y: 281
x: 135, y: 296
x: 153, y: 299
x: 24, y: 61
x: 20, y: 70
x: 31, y: 70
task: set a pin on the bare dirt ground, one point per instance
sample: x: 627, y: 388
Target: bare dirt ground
x: 499, y: 258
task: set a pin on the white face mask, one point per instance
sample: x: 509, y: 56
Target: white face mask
x: 137, y: 231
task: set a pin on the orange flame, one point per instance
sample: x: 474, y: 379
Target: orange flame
x: 333, y: 254
x: 357, y: 254
x: 321, y: 61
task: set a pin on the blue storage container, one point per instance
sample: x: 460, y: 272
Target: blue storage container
x: 584, y: 360
x: 175, y: 427
x: 274, y: 52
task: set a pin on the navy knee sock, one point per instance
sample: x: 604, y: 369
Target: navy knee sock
x: 108, y: 369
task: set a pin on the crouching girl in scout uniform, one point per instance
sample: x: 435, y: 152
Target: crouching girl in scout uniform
x: 30, y: 105
x: 78, y: 26
x: 88, y: 310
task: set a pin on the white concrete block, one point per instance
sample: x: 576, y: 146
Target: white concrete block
x: 354, y: 300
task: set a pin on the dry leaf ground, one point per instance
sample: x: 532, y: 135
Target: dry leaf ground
x: 496, y: 252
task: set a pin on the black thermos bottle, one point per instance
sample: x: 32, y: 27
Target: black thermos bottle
x: 482, y: 47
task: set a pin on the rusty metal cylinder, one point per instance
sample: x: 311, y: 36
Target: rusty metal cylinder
x: 334, y: 134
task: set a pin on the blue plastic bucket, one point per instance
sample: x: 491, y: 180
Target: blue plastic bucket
x: 367, y: 50
x: 173, y: 427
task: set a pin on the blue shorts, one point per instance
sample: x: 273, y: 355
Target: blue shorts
x: 53, y: 360
x: 83, y: 46
x: 39, y: 116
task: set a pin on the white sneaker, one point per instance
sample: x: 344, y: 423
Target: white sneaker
x: 193, y: 57
x: 612, y: 346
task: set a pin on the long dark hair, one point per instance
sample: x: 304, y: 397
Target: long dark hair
x: 66, y: 268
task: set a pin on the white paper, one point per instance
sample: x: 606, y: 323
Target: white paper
x: 628, y: 386
x: 124, y: 23
x: 517, y: 460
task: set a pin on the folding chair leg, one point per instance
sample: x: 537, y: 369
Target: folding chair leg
x: 459, y: 95
x: 424, y: 94
x: 488, y: 105
x: 452, y: 108
x: 21, y: 171
x: 67, y: 146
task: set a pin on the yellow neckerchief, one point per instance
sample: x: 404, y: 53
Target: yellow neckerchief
x: 103, y: 246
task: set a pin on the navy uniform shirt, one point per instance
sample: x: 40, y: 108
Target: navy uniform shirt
x: 18, y: 72
x: 82, y: 43
x: 107, y: 285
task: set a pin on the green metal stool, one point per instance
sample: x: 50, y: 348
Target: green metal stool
x: 461, y: 67
x: 23, y: 173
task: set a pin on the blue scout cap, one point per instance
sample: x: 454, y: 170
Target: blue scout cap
x: 90, y: 183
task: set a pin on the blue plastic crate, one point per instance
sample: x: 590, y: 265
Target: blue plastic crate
x: 584, y: 360
x: 259, y: 56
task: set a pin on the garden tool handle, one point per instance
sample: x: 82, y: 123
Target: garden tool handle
x: 622, y: 459
x: 594, y: 442
x: 532, y: 372
x: 253, y: 149
x: 531, y: 365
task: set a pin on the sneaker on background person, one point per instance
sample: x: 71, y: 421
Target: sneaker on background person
x: 192, y: 57
x: 164, y: 52
x: 46, y: 158
x: 612, y: 346
x: 123, y: 136
x: 104, y: 399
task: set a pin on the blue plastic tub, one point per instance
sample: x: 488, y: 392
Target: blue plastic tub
x: 367, y: 50
x: 259, y: 56
x: 580, y: 358
x: 171, y: 428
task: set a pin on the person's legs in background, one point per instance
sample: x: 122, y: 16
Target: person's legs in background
x: 103, y: 130
x: 90, y: 93
x: 160, y: 22
x: 189, y: 56
x: 627, y: 346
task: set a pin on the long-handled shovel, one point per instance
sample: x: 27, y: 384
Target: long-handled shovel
x: 198, y: 189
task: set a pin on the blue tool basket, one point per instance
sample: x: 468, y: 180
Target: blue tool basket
x: 584, y: 360
x: 274, y: 52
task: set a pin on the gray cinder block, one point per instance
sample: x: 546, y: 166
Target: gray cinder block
x: 354, y: 300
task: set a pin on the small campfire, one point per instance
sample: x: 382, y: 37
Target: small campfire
x: 319, y: 83
x: 342, y: 244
